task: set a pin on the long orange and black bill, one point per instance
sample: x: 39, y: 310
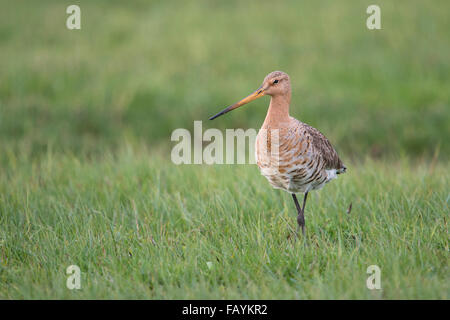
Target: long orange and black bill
x: 255, y: 95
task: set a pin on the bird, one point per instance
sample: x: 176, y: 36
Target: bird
x: 292, y: 155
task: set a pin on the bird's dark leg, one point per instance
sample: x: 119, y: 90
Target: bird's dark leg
x: 301, y: 212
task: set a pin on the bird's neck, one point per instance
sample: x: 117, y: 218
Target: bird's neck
x: 278, y: 112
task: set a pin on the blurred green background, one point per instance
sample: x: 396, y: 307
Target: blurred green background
x: 86, y: 118
x: 137, y: 70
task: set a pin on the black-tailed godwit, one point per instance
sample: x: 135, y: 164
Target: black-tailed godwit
x: 292, y: 155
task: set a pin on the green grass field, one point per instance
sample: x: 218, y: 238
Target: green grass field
x: 85, y: 171
x: 139, y: 228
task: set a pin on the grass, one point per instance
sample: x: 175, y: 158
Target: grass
x: 85, y: 123
x: 140, y: 228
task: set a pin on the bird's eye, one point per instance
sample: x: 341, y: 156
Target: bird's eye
x: 276, y: 81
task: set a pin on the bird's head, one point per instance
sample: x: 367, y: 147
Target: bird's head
x: 275, y: 83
